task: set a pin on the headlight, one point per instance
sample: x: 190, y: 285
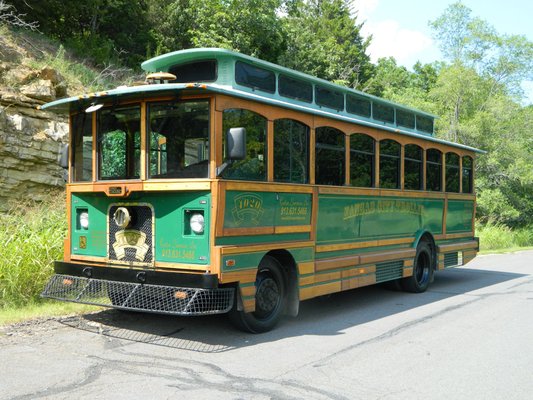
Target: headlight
x: 84, y: 220
x: 197, y: 223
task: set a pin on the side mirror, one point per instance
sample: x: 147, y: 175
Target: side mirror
x: 236, y: 144
x: 63, y: 159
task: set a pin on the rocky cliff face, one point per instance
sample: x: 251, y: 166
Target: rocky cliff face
x: 30, y: 140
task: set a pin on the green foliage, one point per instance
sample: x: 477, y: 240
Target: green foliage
x: 32, y: 237
x: 325, y: 41
x: 493, y: 236
x: 505, y: 60
x: 79, y: 76
x: 106, y: 30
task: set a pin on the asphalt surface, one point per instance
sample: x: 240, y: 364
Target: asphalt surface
x: 470, y: 336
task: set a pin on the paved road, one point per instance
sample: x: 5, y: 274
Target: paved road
x: 469, y: 337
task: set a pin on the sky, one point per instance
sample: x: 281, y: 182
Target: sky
x: 400, y: 27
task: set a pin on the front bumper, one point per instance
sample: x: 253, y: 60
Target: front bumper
x: 127, y: 290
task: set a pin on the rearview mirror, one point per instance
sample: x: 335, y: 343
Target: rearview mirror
x: 63, y: 159
x: 236, y: 144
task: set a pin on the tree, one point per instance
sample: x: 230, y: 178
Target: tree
x: 324, y: 40
x: 473, y: 43
x: 9, y: 16
x: 477, y: 95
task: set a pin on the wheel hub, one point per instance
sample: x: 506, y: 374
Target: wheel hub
x: 267, y: 296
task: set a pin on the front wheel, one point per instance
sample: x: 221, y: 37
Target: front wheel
x: 422, y: 270
x: 270, y: 298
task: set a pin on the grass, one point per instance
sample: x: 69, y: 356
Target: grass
x: 500, y: 238
x: 31, y: 234
x: 43, y: 309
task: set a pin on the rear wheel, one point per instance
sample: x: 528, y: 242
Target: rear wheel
x: 270, y: 299
x: 422, y: 270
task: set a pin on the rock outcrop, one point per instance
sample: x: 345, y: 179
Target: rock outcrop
x: 30, y: 140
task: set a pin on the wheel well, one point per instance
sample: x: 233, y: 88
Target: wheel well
x: 428, y: 238
x: 288, y: 264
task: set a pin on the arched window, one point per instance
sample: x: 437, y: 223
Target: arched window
x: 434, y: 170
x: 254, y: 166
x: 452, y: 172
x: 389, y: 164
x: 413, y: 167
x: 362, y: 156
x: 468, y: 164
x: 330, y: 156
x: 291, y: 151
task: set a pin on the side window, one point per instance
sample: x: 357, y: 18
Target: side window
x: 362, y: 156
x: 255, y: 77
x: 467, y: 174
x: 413, y: 167
x: 330, y: 157
x: 434, y: 170
x: 389, y: 164
x: 452, y: 172
x: 82, y: 142
x: 254, y: 166
x: 291, y: 151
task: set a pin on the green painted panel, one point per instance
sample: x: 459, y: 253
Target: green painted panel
x: 243, y: 261
x: 242, y: 240
x: 265, y: 209
x: 251, y: 260
x: 459, y: 216
x: 91, y: 241
x: 303, y: 255
x: 343, y: 219
x: 174, y: 241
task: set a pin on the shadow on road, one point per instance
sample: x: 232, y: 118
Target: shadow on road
x: 324, y: 316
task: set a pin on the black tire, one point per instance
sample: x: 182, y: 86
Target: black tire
x: 422, y: 270
x: 270, y: 299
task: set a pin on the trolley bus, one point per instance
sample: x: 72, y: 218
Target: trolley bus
x: 227, y: 184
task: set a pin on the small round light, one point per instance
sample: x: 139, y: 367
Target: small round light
x: 197, y: 223
x: 84, y: 220
x: 122, y: 217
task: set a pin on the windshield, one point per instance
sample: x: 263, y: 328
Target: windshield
x: 179, y: 139
x: 177, y: 143
x: 119, y: 143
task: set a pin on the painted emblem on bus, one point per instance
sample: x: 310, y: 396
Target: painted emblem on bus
x: 247, y: 207
x: 381, y: 207
x: 130, y: 239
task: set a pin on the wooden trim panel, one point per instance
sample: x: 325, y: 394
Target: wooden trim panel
x: 446, y: 248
